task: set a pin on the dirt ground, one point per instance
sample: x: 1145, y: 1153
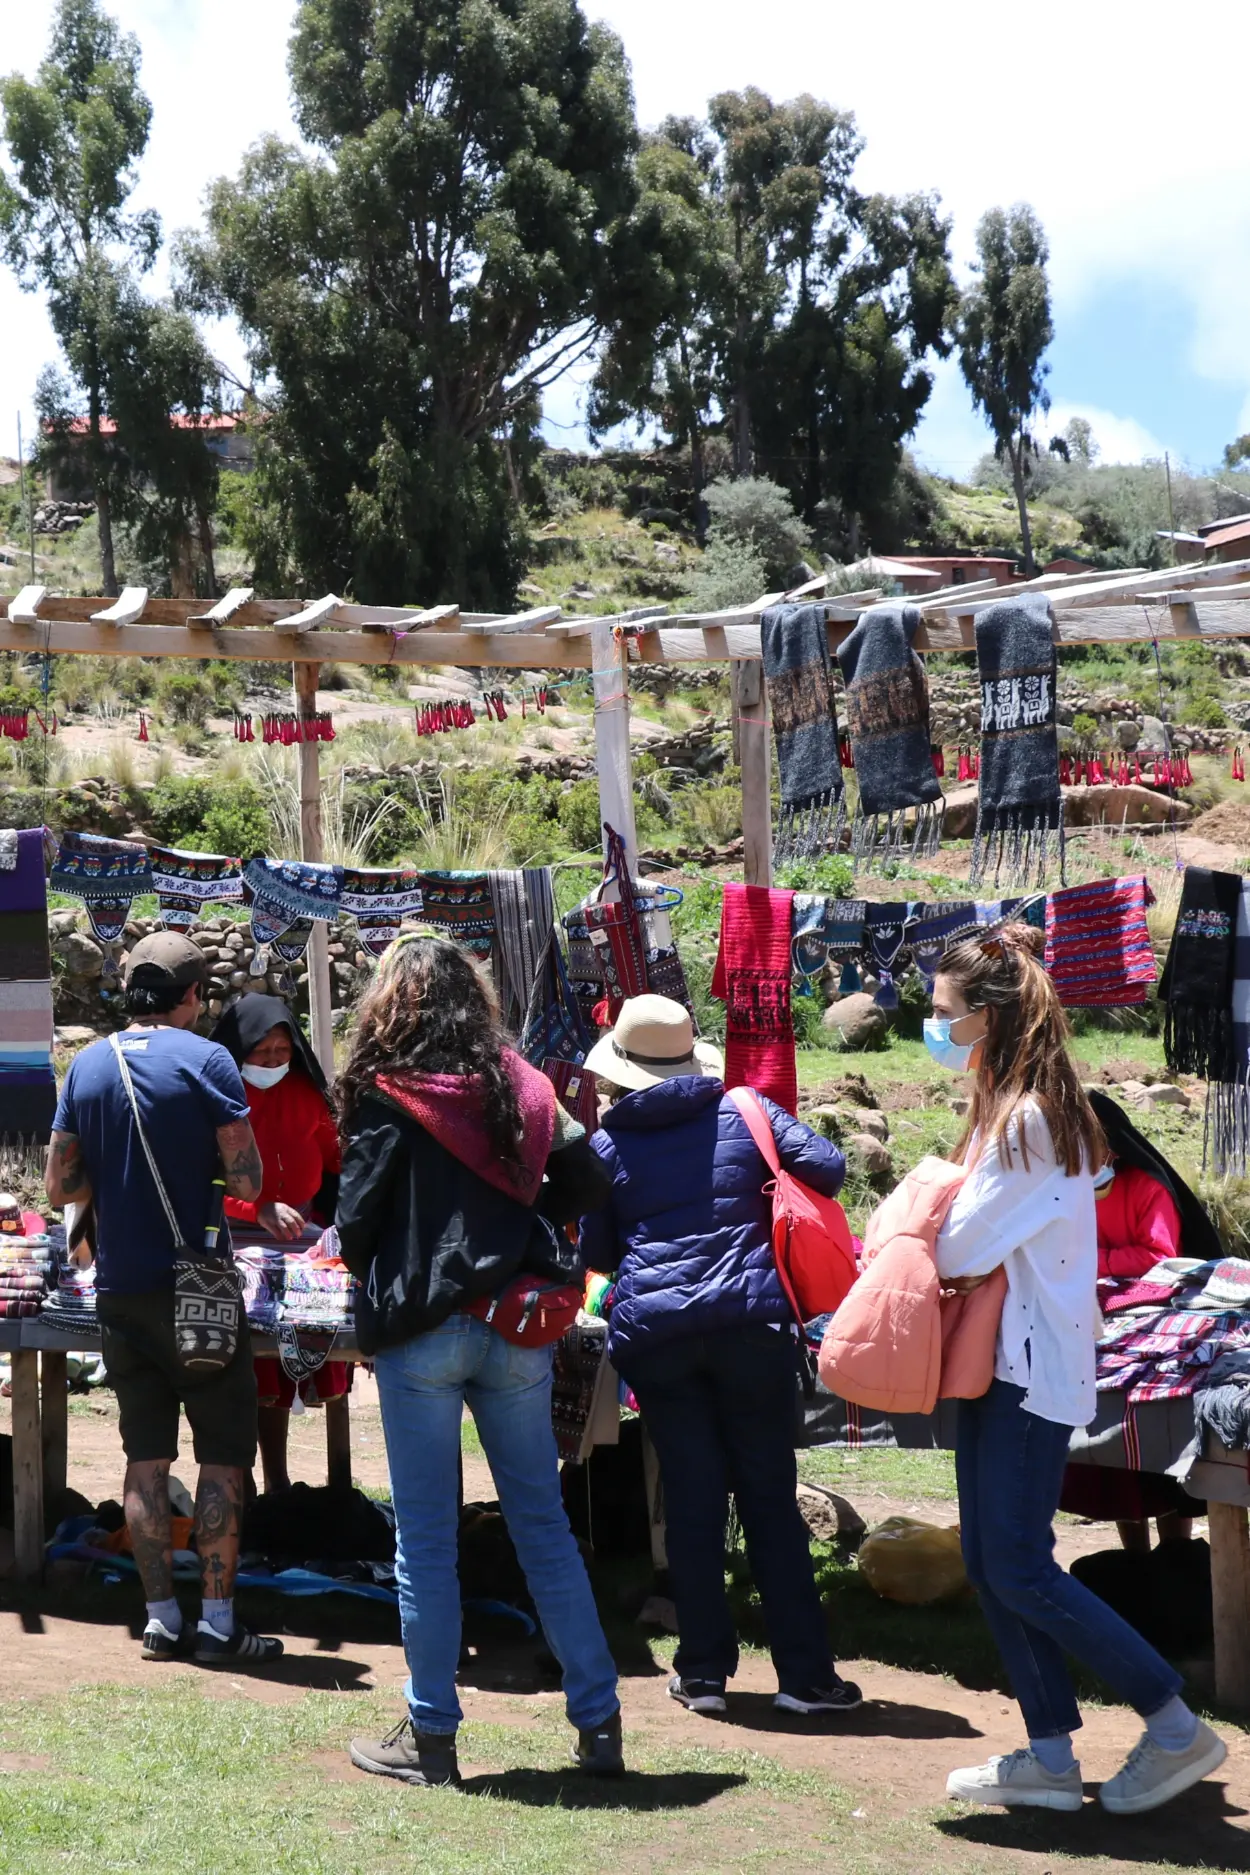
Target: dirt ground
x: 892, y: 1756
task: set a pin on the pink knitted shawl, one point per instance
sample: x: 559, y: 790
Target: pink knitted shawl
x: 449, y: 1107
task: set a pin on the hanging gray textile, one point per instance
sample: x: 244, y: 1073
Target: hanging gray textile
x: 525, y: 912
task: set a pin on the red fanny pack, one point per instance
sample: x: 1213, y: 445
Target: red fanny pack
x: 529, y: 1312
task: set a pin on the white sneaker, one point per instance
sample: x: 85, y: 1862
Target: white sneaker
x: 1019, y: 1778
x: 1151, y: 1776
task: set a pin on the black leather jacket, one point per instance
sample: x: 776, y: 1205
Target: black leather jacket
x: 424, y: 1235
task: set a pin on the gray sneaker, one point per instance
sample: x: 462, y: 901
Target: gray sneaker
x: 1019, y: 1778
x: 1151, y: 1776
x: 424, y: 1758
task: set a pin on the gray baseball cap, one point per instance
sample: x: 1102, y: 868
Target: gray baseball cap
x: 166, y: 960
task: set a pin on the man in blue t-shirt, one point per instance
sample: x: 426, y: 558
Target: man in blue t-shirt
x: 194, y: 1111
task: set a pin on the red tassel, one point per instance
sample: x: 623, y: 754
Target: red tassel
x: 965, y: 767
x: 939, y: 762
x: 1065, y: 771
x: 1137, y: 774
x: 143, y: 727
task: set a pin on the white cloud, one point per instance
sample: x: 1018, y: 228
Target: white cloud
x: 1119, y: 439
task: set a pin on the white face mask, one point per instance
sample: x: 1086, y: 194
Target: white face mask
x: 264, y: 1077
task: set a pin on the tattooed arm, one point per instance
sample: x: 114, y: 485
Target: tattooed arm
x: 240, y: 1156
x: 65, y: 1175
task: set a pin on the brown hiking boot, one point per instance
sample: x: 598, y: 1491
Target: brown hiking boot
x: 598, y: 1749
x: 426, y: 1758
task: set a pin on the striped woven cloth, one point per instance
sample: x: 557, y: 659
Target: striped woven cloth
x: 1098, y: 948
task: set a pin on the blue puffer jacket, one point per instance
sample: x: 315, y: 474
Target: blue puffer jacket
x: 687, y: 1224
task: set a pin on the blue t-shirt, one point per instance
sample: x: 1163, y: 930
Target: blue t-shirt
x: 186, y: 1088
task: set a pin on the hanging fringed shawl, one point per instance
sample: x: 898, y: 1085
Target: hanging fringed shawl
x: 799, y: 673
x: 185, y: 883
x: 105, y: 874
x: 283, y: 895
x: 887, y: 713
x: 1228, y: 1098
x: 752, y: 979
x: 1098, y: 948
x: 824, y: 931
x: 379, y: 898
x: 525, y: 913
x: 1197, y: 982
x: 1020, y: 805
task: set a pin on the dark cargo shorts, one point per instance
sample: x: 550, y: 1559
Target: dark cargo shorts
x: 137, y: 1339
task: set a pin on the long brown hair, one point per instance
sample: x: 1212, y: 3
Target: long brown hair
x: 430, y: 1010
x: 1025, y: 1053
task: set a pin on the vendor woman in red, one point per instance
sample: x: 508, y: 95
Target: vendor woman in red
x: 299, y: 1147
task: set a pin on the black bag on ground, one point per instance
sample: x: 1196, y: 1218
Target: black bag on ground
x: 321, y: 1521
x: 1165, y: 1595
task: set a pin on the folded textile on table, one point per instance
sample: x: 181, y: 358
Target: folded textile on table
x: 825, y: 930
x: 1020, y: 804
x: 379, y: 898
x: 932, y: 929
x: 185, y: 883
x: 13, y: 1309
x: 1222, y: 1402
x: 1196, y: 987
x: 798, y: 671
x: 1098, y: 948
x: 23, y: 883
x: 105, y: 874
x: 525, y: 911
x: 1167, y: 1355
x: 752, y: 979
x: 887, y: 713
x: 459, y: 904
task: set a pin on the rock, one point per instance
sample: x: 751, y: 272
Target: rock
x: 82, y: 955
x: 1153, y: 736
x: 1165, y: 1094
x: 874, y: 1124
x: 961, y: 813
x: 658, y: 1612
x: 873, y: 1157
x: 60, y: 922
x: 1128, y: 734
x: 960, y: 1105
x: 1104, y: 805
x: 238, y: 979
x: 826, y: 1120
x: 73, y: 1035
x: 857, y: 1019
x: 828, y: 1517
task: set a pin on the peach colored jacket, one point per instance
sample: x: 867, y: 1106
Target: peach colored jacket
x: 897, y: 1344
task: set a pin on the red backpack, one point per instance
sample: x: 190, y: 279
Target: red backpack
x: 811, y: 1237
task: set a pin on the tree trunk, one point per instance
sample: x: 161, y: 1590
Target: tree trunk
x: 852, y: 535
x: 698, y: 461
x: 103, y: 506
x: 742, y: 411
x: 205, y: 522
x: 1015, y: 453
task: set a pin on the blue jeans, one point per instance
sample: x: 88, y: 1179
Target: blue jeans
x: 1009, y: 1465
x: 423, y: 1387
x: 720, y: 1409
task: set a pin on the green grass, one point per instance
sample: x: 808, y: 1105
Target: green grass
x: 901, y: 1474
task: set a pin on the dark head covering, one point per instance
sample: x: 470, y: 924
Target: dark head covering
x: 1199, y: 1237
x: 246, y: 1024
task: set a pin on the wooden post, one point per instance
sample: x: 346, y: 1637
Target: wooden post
x: 27, y: 1467
x: 339, y: 1443
x: 1230, y: 1597
x: 754, y: 756
x: 610, y: 672
x: 54, y: 1420
x: 312, y: 848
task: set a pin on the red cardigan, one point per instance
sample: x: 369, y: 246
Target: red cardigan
x: 298, y: 1143
x: 1138, y: 1225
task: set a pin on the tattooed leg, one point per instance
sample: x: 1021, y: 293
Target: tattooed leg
x: 218, y: 1520
x: 146, y: 1503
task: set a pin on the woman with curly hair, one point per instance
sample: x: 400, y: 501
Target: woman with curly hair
x: 459, y: 1171
x: 1032, y: 1147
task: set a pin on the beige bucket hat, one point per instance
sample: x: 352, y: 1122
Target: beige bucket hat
x: 653, y: 1041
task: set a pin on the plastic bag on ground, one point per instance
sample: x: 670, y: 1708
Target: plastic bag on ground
x: 906, y: 1560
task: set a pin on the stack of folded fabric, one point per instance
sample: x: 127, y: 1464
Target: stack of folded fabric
x: 25, y: 1263
x: 1165, y: 1331
x: 71, y: 1305
x: 262, y: 1272
x: 317, y: 1295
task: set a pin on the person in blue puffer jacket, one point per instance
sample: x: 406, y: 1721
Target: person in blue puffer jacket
x: 701, y: 1330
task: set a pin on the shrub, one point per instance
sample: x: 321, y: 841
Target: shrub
x: 177, y: 807
x: 829, y: 874
x: 237, y: 821
x: 185, y: 696
x: 579, y: 817
x: 758, y: 513
x: 731, y: 572
x: 1205, y: 712
x: 1085, y: 729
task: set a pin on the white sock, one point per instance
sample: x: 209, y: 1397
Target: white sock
x: 219, y: 1616
x: 168, y: 1614
x: 1054, y: 1754
x: 1173, y: 1726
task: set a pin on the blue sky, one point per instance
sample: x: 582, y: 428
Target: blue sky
x: 1125, y: 134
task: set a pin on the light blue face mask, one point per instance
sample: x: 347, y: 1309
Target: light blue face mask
x: 947, y: 1053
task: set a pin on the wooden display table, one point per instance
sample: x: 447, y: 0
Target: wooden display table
x: 40, y: 1404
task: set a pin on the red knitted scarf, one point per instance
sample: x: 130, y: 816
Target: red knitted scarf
x: 752, y: 979
x: 449, y: 1107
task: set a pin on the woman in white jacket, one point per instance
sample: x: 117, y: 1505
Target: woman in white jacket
x: 1027, y: 1204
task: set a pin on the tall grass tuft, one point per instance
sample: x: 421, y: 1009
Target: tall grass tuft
x: 349, y: 830
x: 452, y: 837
